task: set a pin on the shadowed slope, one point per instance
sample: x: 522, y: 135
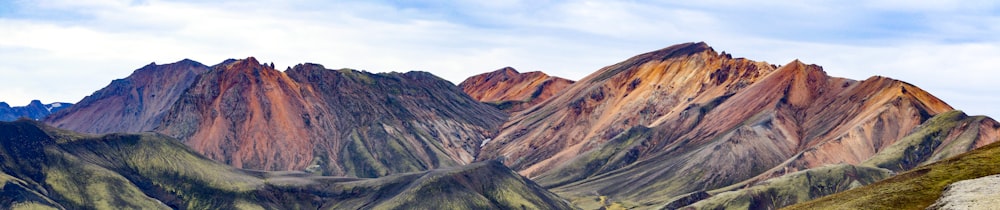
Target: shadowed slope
x: 133, y: 104
x: 60, y: 169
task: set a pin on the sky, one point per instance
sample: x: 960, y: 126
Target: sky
x: 64, y: 50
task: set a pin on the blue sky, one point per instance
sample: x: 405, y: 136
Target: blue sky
x: 63, y: 50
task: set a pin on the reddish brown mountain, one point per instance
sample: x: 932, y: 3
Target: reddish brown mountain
x: 512, y: 91
x: 686, y: 119
x: 335, y: 122
x: 136, y: 103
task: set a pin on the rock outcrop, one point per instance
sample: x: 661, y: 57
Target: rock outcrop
x: 980, y: 193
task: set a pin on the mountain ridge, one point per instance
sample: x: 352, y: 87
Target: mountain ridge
x: 332, y: 122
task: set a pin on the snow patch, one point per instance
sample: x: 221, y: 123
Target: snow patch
x: 484, y: 142
x: 52, y: 106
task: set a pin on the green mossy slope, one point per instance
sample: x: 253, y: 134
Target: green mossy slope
x: 795, y: 187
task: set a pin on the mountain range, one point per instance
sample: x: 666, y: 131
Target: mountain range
x: 685, y: 120
x: 683, y: 127
x: 34, y: 110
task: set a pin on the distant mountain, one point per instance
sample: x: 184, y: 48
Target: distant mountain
x: 43, y: 168
x: 513, y: 91
x: 332, y: 122
x: 34, y: 110
x: 686, y: 123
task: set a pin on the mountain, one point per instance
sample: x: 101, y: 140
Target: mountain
x: 513, y: 91
x: 43, y: 167
x: 921, y: 187
x: 331, y: 122
x: 945, y: 135
x: 134, y: 104
x: 34, y: 110
x: 688, y: 122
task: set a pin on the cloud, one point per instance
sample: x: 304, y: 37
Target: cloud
x: 63, y: 50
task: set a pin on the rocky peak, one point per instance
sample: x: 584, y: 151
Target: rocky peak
x: 36, y: 103
x: 308, y: 66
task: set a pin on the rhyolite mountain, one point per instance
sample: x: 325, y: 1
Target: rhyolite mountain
x: 333, y: 122
x: 47, y: 168
x: 675, y: 126
x: 512, y: 91
x: 34, y: 110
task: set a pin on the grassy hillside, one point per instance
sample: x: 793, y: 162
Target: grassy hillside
x: 44, y: 167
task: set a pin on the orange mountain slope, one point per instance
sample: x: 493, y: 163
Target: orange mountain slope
x: 686, y: 119
x: 513, y: 91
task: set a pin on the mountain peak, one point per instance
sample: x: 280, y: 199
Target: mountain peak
x: 188, y: 62
x: 251, y: 59
x: 678, y: 50
x: 512, y: 91
x: 509, y: 70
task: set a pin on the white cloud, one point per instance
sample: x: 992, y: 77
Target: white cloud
x: 72, y: 48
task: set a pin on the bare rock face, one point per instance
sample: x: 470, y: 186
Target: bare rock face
x: 133, y: 104
x: 513, y: 91
x: 981, y: 193
x: 332, y: 122
x: 687, y: 119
